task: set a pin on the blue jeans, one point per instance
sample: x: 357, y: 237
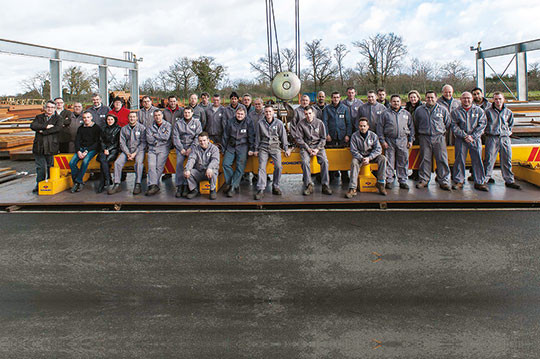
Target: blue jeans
x: 76, y: 173
x: 233, y: 178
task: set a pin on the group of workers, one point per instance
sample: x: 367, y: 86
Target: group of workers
x: 378, y: 131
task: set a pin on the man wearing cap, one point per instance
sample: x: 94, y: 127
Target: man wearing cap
x: 120, y: 111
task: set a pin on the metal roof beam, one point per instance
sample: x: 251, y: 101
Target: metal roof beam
x: 510, y: 49
x: 25, y: 49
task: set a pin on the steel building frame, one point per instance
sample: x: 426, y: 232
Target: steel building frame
x: 519, y: 50
x: 56, y: 56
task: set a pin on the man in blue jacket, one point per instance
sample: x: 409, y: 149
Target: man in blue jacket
x: 337, y: 121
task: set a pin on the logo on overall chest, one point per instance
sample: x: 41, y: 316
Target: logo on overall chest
x: 243, y: 130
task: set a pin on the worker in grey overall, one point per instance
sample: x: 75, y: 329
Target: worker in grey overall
x: 500, y: 121
x: 433, y: 120
x: 270, y: 137
x: 468, y: 124
x: 132, y: 146
x: 353, y: 104
x: 366, y: 149
x: 185, y: 133
x: 372, y: 110
x: 310, y: 135
x: 158, y: 137
x: 396, y: 133
x: 450, y: 103
x: 239, y: 143
x: 202, y: 164
x: 215, y: 121
x: 146, y: 113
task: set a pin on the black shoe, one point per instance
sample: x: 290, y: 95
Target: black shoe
x: 470, y: 178
x: 457, y: 186
x: 308, y: 190
x: 100, y: 187
x: 230, y: 192
x: 35, y: 190
x: 276, y: 191
x: 481, y: 187
x: 114, y: 189
x: 192, y: 194
x: 137, y: 189
x: 380, y: 187
x: 75, y: 188
x: 326, y: 190
x: 213, y: 194
x: 259, y: 195
x: 389, y: 185
x: 421, y: 185
x: 491, y: 180
x: 152, y: 190
x: 185, y: 190
x: 225, y: 188
x: 178, y: 193
x: 403, y: 186
x: 166, y: 176
x: 513, y: 185
x: 445, y: 187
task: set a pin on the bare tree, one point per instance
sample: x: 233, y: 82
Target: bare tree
x: 288, y: 60
x: 321, y: 63
x: 340, y: 51
x: 381, y: 54
x: 181, y: 76
x: 455, y: 71
x: 262, y: 67
x: 422, y: 72
x: 76, y: 81
x: 39, y: 84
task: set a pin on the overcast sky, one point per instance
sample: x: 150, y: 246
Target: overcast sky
x: 233, y: 31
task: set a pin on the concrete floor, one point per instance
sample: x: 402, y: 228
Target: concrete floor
x: 270, y: 284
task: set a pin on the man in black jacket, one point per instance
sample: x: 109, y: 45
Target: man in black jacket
x: 47, y: 126
x: 87, y: 144
x: 65, y: 115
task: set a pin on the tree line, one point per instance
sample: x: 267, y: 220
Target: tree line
x: 383, y: 61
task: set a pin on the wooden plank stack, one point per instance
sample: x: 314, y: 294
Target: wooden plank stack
x: 16, y: 146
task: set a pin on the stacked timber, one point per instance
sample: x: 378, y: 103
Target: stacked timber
x: 16, y: 146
